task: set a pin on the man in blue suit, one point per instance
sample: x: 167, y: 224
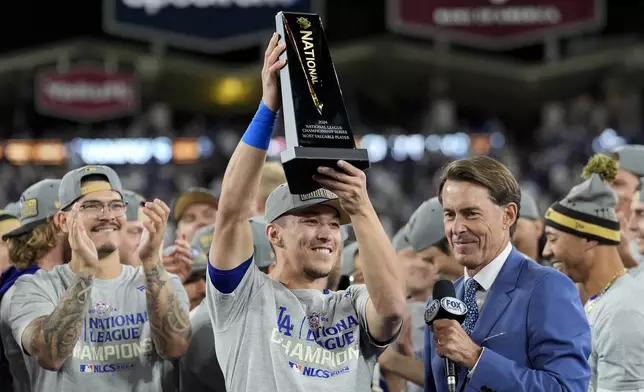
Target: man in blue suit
x: 525, y: 328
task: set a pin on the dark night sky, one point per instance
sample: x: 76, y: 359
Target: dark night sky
x: 27, y: 23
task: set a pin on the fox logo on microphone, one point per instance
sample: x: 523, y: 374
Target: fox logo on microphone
x: 454, y: 306
x: 445, y: 308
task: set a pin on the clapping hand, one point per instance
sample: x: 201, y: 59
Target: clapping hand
x: 155, y: 226
x: 83, y: 248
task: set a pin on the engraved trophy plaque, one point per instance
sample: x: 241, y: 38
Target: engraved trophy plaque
x: 316, y: 124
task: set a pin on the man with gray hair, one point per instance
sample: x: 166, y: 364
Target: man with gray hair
x: 583, y: 233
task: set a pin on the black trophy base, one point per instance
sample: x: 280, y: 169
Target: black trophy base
x: 301, y: 163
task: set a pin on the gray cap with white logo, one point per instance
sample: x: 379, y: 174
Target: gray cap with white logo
x: 281, y: 202
x: 37, y: 203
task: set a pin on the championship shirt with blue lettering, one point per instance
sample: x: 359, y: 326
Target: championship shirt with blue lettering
x: 270, y: 338
x: 114, y: 351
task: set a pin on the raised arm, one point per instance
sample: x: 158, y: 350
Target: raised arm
x: 167, y: 302
x: 232, y: 242
x: 382, y: 274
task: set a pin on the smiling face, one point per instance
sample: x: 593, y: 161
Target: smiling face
x: 477, y: 228
x: 103, y: 215
x: 309, y: 239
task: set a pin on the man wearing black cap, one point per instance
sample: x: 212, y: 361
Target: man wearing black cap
x: 583, y: 233
x: 95, y: 321
x: 267, y: 326
x: 38, y: 243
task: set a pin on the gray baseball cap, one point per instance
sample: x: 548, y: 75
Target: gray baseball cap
x: 72, y: 189
x: 401, y: 239
x: 37, y: 203
x: 263, y: 253
x: 134, y: 201
x: 281, y: 202
x: 528, y: 208
x: 426, y: 227
x: 349, y: 259
x: 631, y: 158
x: 12, y: 209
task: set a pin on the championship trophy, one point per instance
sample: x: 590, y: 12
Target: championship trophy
x: 316, y: 124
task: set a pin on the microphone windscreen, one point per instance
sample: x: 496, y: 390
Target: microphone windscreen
x: 443, y: 288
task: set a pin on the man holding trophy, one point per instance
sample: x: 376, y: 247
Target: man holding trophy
x: 289, y: 333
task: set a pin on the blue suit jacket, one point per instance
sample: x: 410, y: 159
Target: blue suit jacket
x: 533, y: 330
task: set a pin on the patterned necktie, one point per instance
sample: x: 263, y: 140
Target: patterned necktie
x: 472, y: 308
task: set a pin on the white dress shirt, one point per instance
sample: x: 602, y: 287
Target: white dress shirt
x: 485, y: 278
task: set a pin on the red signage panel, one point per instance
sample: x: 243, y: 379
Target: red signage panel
x: 495, y: 24
x: 86, y: 94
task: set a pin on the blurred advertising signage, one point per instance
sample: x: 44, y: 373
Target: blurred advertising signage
x: 495, y: 24
x: 41, y: 152
x: 211, y: 26
x: 86, y: 94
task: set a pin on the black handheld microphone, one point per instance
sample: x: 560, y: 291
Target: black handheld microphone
x: 445, y: 305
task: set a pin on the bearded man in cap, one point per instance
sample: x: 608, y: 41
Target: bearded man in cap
x: 37, y: 243
x: 583, y: 233
x: 95, y: 317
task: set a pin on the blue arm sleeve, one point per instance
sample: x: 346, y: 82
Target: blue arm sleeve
x: 227, y: 281
x: 259, y: 131
x: 558, y: 346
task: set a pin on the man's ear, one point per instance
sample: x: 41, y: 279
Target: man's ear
x: 273, y: 232
x: 511, y: 214
x: 60, y: 219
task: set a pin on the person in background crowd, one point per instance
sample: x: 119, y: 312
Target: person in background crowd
x: 625, y: 184
x: 525, y: 329
x: 272, y: 177
x: 94, y: 322
x: 192, y: 210
x: 131, y: 233
x: 428, y: 241
x: 8, y: 222
x: 351, y: 264
x: 421, y: 246
x: 246, y: 306
x: 200, y: 371
x: 529, y: 228
x: 38, y: 243
x: 583, y: 233
x: 636, y: 225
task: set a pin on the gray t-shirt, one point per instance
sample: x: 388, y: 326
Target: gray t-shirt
x: 200, y: 371
x: 114, y: 351
x: 616, y: 320
x: 20, y: 365
x: 270, y: 338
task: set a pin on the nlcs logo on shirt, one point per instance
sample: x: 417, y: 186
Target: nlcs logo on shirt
x: 317, y: 372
